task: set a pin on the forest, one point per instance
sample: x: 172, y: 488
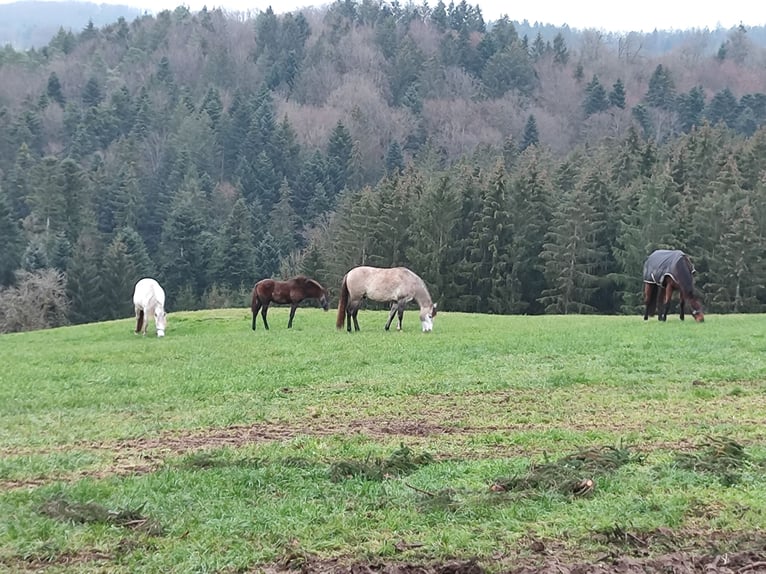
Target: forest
x: 516, y: 174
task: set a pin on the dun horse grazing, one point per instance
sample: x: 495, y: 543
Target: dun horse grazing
x: 149, y: 299
x: 398, y: 285
x: 666, y: 271
x: 291, y: 292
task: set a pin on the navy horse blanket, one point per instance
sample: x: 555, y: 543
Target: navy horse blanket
x: 662, y: 263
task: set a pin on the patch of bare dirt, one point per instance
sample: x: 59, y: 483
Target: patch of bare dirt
x: 66, y: 559
x: 147, y: 454
x: 662, y: 551
x: 746, y: 562
x: 144, y: 455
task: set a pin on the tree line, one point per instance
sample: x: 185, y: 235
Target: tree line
x: 116, y: 163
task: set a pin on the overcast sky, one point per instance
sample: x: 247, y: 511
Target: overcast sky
x: 612, y: 15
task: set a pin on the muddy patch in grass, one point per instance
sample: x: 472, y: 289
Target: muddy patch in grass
x: 658, y: 552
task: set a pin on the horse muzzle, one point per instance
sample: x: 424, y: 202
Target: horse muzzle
x: 160, y: 332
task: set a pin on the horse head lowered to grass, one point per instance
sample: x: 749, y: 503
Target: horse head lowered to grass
x: 290, y: 292
x: 397, y: 285
x: 666, y: 271
x: 149, y: 299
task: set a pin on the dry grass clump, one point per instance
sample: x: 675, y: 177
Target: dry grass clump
x: 576, y: 474
x: 61, y: 509
x: 721, y: 457
x: 401, y: 462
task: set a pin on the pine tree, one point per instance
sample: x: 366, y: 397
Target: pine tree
x: 388, y: 231
x: 142, y: 264
x: 84, y: 287
x: 11, y: 240
x: 353, y: 231
x: 662, y: 91
x: 531, y: 137
x: 283, y: 221
x: 312, y: 182
x: 338, y: 159
x: 648, y: 222
x: 394, y: 159
x: 530, y: 191
x: 54, y: 90
x: 723, y: 108
x: 266, y: 258
x: 596, y: 185
x: 690, y: 108
x: 406, y: 68
x: 739, y: 274
x: 571, y: 257
x: 118, y: 276
x: 91, y: 94
x: 560, y: 52
x: 509, y: 69
x: 617, y: 95
x: 186, y: 243
x: 595, y: 98
x: 235, y: 259
x: 432, y: 228
x: 488, y: 248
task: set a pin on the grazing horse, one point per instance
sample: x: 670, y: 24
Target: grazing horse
x: 149, y: 299
x: 666, y: 271
x: 398, y: 285
x: 291, y: 292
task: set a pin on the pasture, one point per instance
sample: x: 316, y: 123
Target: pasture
x: 220, y: 449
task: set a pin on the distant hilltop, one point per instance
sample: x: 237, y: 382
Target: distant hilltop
x: 32, y: 24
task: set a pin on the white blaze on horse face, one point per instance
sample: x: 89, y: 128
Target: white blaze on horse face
x: 428, y: 322
x: 160, y: 320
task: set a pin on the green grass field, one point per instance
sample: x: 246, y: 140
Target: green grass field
x: 220, y: 449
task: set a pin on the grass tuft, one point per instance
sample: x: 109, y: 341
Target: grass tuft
x: 58, y: 508
x: 401, y: 462
x: 721, y: 457
x: 575, y: 474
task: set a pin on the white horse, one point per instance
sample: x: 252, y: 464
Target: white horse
x: 398, y: 285
x: 149, y: 298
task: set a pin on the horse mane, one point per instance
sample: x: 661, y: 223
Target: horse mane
x: 685, y: 276
x: 423, y: 297
x: 306, y: 281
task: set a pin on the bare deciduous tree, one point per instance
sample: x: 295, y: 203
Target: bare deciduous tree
x: 37, y: 301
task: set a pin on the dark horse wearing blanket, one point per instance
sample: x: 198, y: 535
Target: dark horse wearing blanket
x: 290, y: 292
x: 397, y: 285
x: 666, y: 271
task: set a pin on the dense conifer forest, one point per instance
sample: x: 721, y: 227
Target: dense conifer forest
x: 514, y: 173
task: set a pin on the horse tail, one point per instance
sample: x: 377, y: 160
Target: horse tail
x: 342, y: 302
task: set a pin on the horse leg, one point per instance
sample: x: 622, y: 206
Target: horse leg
x: 394, y: 307
x: 264, y: 310
x: 650, y: 299
x: 400, y: 310
x: 293, y: 307
x: 683, y: 304
x: 256, y: 308
x: 139, y: 319
x: 664, y: 302
x: 349, y: 308
x: 353, y: 312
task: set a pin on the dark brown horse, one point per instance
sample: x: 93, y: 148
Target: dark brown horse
x: 290, y: 292
x: 666, y: 271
